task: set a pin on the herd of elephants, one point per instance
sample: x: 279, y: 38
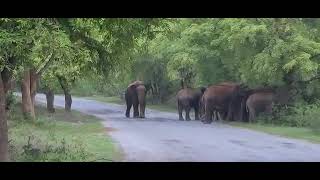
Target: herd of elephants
x: 232, y: 101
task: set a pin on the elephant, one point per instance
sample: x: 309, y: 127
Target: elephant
x: 260, y: 100
x: 224, y: 98
x: 136, y: 95
x: 188, y: 98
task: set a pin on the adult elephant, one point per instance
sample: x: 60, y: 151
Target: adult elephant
x: 135, y: 96
x: 258, y: 101
x: 224, y: 98
x: 188, y: 98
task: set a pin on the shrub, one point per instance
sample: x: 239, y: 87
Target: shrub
x: 300, y: 115
x: 10, y: 100
x: 36, y: 150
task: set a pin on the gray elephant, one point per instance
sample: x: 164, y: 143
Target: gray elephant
x: 259, y: 101
x: 188, y: 98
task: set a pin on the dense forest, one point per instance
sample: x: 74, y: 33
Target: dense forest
x: 102, y: 56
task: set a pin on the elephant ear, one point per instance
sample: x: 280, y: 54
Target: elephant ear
x: 135, y: 84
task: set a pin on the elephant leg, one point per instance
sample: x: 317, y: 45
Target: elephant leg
x: 224, y: 115
x: 135, y: 103
x: 220, y: 119
x: 196, y: 113
x: 180, y: 109
x: 135, y: 110
x: 229, y: 114
x: 201, y: 113
x: 208, y: 115
x: 128, y: 110
x: 129, y: 104
x: 215, y: 117
x: 188, y: 113
x: 142, y: 110
x: 251, y: 115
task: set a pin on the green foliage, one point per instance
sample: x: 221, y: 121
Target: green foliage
x: 58, y: 137
x: 254, y: 51
x: 302, y: 116
x: 11, y: 100
x: 58, y: 152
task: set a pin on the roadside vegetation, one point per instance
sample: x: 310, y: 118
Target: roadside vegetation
x: 59, y: 137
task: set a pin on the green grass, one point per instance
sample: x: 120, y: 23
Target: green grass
x: 60, y: 136
x: 113, y: 99
x: 284, y: 131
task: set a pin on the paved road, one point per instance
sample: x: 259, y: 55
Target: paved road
x: 162, y: 137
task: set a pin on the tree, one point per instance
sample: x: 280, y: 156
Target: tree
x: 152, y: 72
x: 3, y: 124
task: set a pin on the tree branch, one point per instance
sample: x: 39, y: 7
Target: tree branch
x: 314, y: 56
x: 311, y: 79
x: 7, y: 73
x: 46, y: 64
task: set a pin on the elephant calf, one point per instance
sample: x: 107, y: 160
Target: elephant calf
x: 135, y: 96
x: 259, y: 102
x: 188, y: 98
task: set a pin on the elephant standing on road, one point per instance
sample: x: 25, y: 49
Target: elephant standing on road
x: 224, y: 98
x: 188, y: 98
x: 136, y: 95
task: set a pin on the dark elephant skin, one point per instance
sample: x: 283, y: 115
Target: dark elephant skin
x: 224, y: 98
x: 202, y: 109
x: 258, y: 101
x: 135, y: 96
x: 187, y: 99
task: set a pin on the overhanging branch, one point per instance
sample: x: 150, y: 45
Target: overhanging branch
x: 46, y: 64
x: 311, y: 79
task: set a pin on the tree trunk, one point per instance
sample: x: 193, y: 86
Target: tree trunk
x: 50, y: 100
x: 28, y: 90
x: 27, y: 109
x: 67, y: 95
x: 182, y: 84
x: 33, y: 86
x: 68, y: 101
x: 4, y: 153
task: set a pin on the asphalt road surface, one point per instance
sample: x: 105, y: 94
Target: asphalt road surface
x: 161, y: 137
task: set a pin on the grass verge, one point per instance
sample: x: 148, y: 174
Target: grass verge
x: 57, y: 137
x: 284, y: 131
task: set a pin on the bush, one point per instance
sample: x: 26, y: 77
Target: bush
x: 300, y: 115
x: 90, y: 86
x: 11, y: 100
x: 34, y: 151
x: 39, y: 141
